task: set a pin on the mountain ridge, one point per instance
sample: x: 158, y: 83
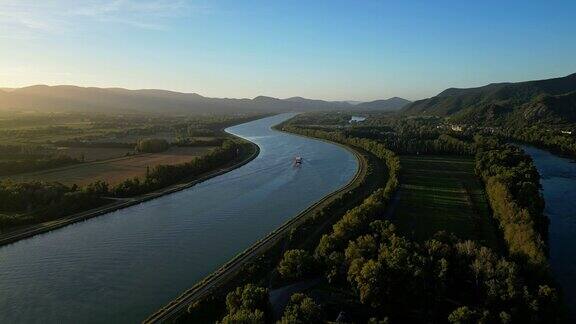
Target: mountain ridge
x: 497, y: 102
x: 390, y: 104
x: 73, y: 98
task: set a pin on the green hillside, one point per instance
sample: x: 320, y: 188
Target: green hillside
x: 547, y: 101
x: 391, y: 104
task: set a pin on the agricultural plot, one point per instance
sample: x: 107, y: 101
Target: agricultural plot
x: 442, y: 193
x: 115, y: 170
x: 90, y: 154
x: 133, y: 138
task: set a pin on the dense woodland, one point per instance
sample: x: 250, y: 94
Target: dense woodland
x: 553, y: 140
x: 34, y: 202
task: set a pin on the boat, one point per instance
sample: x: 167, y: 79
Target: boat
x: 297, y: 161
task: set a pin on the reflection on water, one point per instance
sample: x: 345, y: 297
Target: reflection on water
x: 558, y: 178
x: 123, y: 266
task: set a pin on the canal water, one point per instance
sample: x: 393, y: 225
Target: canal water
x: 123, y: 266
x: 558, y: 178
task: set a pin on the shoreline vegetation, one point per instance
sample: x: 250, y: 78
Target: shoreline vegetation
x: 365, y: 269
x: 98, y: 198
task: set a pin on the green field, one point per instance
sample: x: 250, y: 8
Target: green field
x: 442, y: 193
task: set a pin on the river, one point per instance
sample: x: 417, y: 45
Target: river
x: 122, y: 266
x: 558, y: 178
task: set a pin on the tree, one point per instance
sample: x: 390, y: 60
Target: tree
x: 152, y: 145
x: 98, y: 187
x: 247, y: 305
x: 301, y: 309
x: 296, y: 264
x: 245, y: 316
x: 369, y: 282
x: 247, y: 297
x: 463, y: 315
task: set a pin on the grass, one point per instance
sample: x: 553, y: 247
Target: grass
x: 442, y: 193
x: 115, y: 170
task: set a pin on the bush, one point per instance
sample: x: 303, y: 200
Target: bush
x: 296, y: 265
x: 246, y: 304
x: 301, y: 309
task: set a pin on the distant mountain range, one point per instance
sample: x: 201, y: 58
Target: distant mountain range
x: 117, y: 100
x: 392, y: 104
x: 548, y: 101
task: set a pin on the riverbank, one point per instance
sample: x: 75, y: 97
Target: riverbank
x: 35, y: 229
x: 226, y: 275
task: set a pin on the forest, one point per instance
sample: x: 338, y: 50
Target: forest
x: 557, y: 141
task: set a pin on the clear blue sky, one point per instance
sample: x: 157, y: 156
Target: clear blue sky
x: 328, y: 49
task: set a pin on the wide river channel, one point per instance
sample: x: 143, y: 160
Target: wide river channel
x: 558, y: 179
x: 122, y: 266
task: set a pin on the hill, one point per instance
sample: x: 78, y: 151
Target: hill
x: 316, y: 104
x: 391, y: 104
x: 550, y: 100
x: 106, y: 100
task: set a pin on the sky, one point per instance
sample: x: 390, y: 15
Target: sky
x: 325, y: 49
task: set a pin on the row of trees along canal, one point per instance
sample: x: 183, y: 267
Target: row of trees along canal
x: 35, y: 202
x: 376, y: 275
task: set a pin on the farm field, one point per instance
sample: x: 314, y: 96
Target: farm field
x: 90, y: 154
x: 112, y: 171
x: 442, y: 193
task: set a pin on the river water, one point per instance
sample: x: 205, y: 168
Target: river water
x: 122, y: 266
x: 558, y: 178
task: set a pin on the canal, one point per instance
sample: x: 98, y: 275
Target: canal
x: 122, y: 266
